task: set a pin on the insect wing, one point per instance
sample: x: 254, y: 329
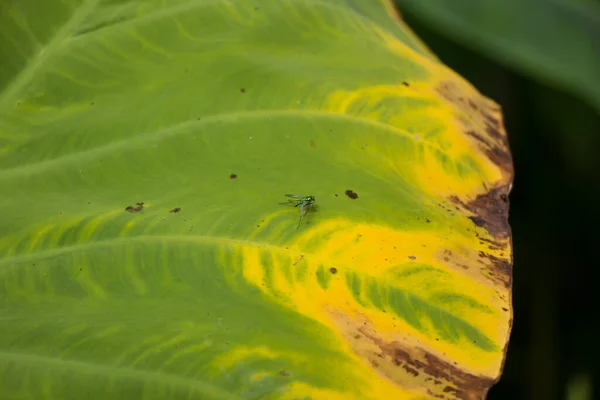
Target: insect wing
x: 304, y: 209
x: 302, y: 213
x: 294, y: 196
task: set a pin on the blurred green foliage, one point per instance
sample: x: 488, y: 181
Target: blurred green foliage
x: 554, y: 41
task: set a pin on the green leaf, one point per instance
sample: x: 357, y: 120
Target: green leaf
x: 555, y: 41
x: 145, y: 148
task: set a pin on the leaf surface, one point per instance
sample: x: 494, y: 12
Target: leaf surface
x: 144, y: 150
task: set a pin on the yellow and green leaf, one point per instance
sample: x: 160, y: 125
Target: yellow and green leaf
x: 206, y: 113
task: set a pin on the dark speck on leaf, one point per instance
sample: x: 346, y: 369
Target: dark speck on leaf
x: 243, y: 90
x: 91, y: 103
x: 175, y: 210
x: 284, y: 373
x: 351, y: 194
x: 333, y: 270
x: 336, y: 195
x: 232, y: 176
x: 405, y: 84
x: 312, y: 144
x: 427, y: 220
x: 138, y: 207
x: 412, y: 257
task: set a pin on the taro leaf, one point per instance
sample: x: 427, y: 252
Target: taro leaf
x: 145, y: 148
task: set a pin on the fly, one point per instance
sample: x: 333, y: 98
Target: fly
x: 304, y: 202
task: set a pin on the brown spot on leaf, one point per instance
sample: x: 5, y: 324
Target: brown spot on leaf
x: 448, y: 389
x: 353, y: 195
x: 243, y: 90
x: 312, y: 144
x: 499, y: 267
x: 437, y: 396
x: 333, y: 270
x: 284, y: 373
x: 175, y: 210
x: 138, y: 207
x: 412, y: 257
x: 405, y: 84
x: 478, y: 221
x: 410, y: 370
x: 483, y: 122
x: 500, y: 156
x: 464, y: 384
x: 494, y: 123
x: 491, y: 211
x: 492, y: 244
x: 232, y: 176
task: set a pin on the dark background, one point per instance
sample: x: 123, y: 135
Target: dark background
x: 554, y: 214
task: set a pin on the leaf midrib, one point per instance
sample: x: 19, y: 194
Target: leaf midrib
x: 131, y: 141
x: 18, y: 258
x: 83, y: 368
